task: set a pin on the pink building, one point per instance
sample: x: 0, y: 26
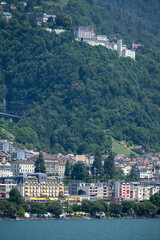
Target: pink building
x: 124, y: 191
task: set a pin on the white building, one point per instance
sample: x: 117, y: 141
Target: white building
x: 5, y: 170
x: 123, y: 51
x: 22, y: 166
x: 92, y: 190
x: 87, y: 35
x: 144, y: 173
x: 43, y: 17
x: 126, y: 170
x: 84, y: 32
x: 21, y: 154
x: 5, y: 146
x: 61, y: 168
x: 59, y: 31
x: 7, y: 16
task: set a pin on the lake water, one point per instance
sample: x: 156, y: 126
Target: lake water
x: 116, y: 229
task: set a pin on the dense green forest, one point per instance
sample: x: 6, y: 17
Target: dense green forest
x: 74, y: 97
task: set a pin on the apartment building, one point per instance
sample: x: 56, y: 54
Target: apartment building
x: 21, y: 154
x: 36, y: 186
x: 134, y: 191
x: 5, y: 188
x: 5, y: 170
x: 6, y: 146
x: 22, y: 166
x: 92, y: 190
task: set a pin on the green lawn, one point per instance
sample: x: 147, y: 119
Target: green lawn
x: 119, y: 149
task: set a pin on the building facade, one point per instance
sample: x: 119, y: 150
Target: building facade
x: 36, y: 186
x: 6, y: 146
x: 5, y: 188
x: 5, y: 170
x: 22, y: 166
x: 21, y: 154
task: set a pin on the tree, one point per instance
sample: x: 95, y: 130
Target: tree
x: 39, y: 164
x: 68, y: 208
x: 63, y: 20
x: 86, y: 206
x: 127, y: 206
x: 76, y: 208
x: 151, y: 209
x: 115, y: 209
x: 15, y: 196
x: 155, y: 199
x: 132, y: 173
x: 140, y: 209
x: 81, y: 192
x: 55, y: 208
x: 97, y: 164
x: 38, y: 208
x: 67, y: 169
x: 7, y: 209
x: 109, y: 167
x: 79, y: 171
x: 97, y: 206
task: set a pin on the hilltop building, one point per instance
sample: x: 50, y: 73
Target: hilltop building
x: 43, y: 17
x: 6, y: 16
x: 84, y: 33
x: 87, y: 35
x: 123, y: 51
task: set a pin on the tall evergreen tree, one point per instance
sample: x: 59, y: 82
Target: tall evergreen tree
x: 97, y: 164
x: 132, y: 173
x: 79, y: 171
x: 109, y: 167
x: 67, y: 170
x: 40, y: 167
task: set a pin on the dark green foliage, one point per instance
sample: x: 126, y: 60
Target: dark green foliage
x: 15, y: 196
x: 55, y: 208
x: 86, y: 206
x: 18, y: 202
x: 151, y: 209
x: 132, y: 174
x: 97, y: 164
x: 64, y: 21
x: 79, y: 171
x: 75, y: 96
x: 81, y: 192
x: 39, y: 164
x: 7, y: 209
x: 145, y: 209
x: 128, y: 207
x: 155, y: 199
x: 115, y: 209
x: 37, y: 208
x: 94, y: 206
x: 109, y: 167
x: 140, y: 209
x: 76, y: 208
x: 67, y: 170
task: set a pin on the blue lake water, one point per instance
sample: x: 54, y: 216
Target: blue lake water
x: 116, y: 229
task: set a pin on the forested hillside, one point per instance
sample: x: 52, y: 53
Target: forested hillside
x: 74, y: 97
